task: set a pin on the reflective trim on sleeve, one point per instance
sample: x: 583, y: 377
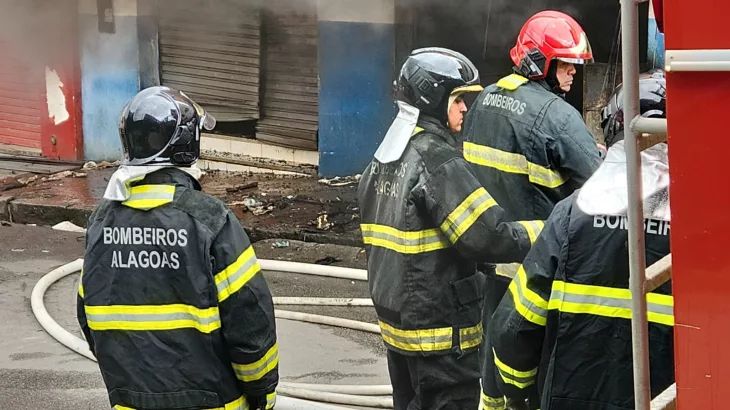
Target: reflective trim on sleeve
x: 152, y: 317
x: 533, y: 229
x: 235, y: 276
x: 608, y: 302
x: 81, y: 284
x: 146, y: 197
x: 470, y: 337
x: 515, y: 377
x: 492, y: 403
x: 407, y: 242
x: 270, y: 400
x: 469, y: 210
x: 528, y: 303
x: 512, y: 163
x: 249, y: 372
x: 238, y: 404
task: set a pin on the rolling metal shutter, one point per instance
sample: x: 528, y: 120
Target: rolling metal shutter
x: 210, y: 49
x: 291, y: 82
x: 22, y: 87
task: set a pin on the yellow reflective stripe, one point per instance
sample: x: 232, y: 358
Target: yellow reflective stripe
x: 508, y: 270
x: 249, y: 372
x: 270, y: 400
x: 470, y: 337
x: 527, y: 303
x: 419, y: 340
x: 152, y: 317
x: 407, y: 242
x: 492, y: 403
x: 511, y: 82
x: 608, y: 302
x: 146, y: 197
x: 81, y: 284
x: 533, y: 229
x: 235, y: 276
x: 120, y: 407
x: 466, y: 213
x: 512, y: 163
x: 417, y: 130
x: 513, y: 376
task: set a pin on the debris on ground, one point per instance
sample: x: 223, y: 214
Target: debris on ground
x: 5, y: 223
x: 68, y: 227
x: 280, y: 244
x: 64, y: 174
x: 327, y: 260
x: 341, y: 181
x: 100, y: 165
x: 247, y: 185
x: 323, y: 224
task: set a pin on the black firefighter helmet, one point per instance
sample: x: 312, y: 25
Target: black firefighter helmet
x: 431, y: 75
x: 162, y: 126
x: 652, y: 104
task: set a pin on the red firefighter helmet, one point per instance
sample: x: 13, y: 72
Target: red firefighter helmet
x: 546, y: 36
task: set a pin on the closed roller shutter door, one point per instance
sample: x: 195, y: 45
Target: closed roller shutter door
x: 291, y: 82
x: 210, y: 49
x: 22, y: 85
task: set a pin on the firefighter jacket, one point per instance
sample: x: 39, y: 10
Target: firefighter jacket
x: 565, y: 322
x: 426, y: 221
x: 528, y: 146
x: 172, y: 301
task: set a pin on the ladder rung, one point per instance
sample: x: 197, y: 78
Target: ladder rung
x: 659, y: 273
x: 697, y: 60
x: 651, y: 131
x: 667, y: 400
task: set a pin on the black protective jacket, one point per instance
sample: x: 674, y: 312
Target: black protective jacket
x: 426, y: 221
x: 172, y: 301
x: 529, y: 147
x: 565, y: 322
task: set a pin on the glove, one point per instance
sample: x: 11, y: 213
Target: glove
x: 258, y: 403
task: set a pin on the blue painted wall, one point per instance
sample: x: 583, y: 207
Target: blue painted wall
x: 655, y: 52
x: 356, y: 106
x: 109, y: 76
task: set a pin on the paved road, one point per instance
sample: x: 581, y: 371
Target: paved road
x: 36, y: 372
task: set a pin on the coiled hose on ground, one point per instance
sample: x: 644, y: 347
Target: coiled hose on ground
x: 357, y: 395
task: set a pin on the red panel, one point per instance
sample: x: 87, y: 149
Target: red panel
x: 700, y: 207
x: 30, y: 44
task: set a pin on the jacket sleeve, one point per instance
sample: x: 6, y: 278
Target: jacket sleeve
x: 81, y: 314
x: 517, y: 328
x: 246, y: 312
x: 471, y: 219
x: 573, y: 151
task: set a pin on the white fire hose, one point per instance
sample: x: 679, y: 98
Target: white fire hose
x: 357, y: 395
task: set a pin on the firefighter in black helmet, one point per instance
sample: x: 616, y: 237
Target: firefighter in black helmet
x: 565, y: 324
x: 426, y: 223
x: 172, y: 301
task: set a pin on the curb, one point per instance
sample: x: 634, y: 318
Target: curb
x: 22, y: 212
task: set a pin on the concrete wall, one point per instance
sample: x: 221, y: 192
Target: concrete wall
x: 110, y: 75
x: 356, y: 64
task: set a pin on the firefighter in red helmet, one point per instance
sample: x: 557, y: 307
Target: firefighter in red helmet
x: 527, y: 145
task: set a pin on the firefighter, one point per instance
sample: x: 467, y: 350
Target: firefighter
x: 528, y: 146
x: 426, y: 221
x: 172, y: 301
x: 565, y: 323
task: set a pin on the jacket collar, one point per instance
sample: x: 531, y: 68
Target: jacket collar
x: 170, y: 176
x: 434, y: 126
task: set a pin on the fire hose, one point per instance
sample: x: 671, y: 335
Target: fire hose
x: 358, y: 395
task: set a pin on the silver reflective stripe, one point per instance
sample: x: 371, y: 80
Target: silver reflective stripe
x: 223, y: 284
x: 241, y: 373
x: 151, y: 317
x: 404, y: 241
x: 524, y: 300
x: 421, y: 340
x: 466, y: 214
x: 151, y: 195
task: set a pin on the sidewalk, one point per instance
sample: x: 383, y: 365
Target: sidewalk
x: 268, y: 206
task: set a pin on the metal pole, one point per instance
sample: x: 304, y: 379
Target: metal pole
x: 637, y: 257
